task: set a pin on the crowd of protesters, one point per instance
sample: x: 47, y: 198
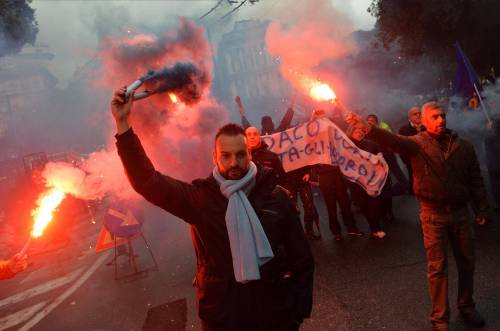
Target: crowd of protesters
x: 442, y: 171
x: 335, y: 189
x: 254, y: 265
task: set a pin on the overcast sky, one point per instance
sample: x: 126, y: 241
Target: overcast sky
x: 71, y: 28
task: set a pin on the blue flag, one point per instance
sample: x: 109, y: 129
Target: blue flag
x: 465, y: 77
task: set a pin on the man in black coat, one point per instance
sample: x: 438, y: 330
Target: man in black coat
x: 414, y: 125
x: 254, y: 265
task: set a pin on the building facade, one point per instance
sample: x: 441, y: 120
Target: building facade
x: 24, y: 83
x: 244, y: 67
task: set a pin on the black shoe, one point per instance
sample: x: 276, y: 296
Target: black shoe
x: 355, y: 233
x: 311, y: 236
x: 338, y: 237
x: 471, y: 316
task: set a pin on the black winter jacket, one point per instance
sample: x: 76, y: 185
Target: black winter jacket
x: 202, y: 205
x: 265, y: 158
x: 409, y: 130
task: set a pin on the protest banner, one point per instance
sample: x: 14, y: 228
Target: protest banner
x: 321, y: 142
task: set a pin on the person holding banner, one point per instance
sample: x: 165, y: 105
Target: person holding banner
x: 402, y: 183
x: 446, y: 180
x: 262, y: 156
x: 334, y: 189
x: 371, y: 207
x: 334, y: 186
x: 254, y: 264
x: 297, y: 181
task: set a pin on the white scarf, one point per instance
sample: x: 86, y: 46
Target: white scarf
x: 250, y: 247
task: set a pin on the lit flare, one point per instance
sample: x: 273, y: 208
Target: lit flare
x: 173, y: 98
x: 322, y: 92
x: 42, y: 215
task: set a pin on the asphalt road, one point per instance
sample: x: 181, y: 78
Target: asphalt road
x: 360, y: 284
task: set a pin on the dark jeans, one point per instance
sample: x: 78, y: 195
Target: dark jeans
x: 441, y: 226
x: 334, y: 189
x: 298, y: 187
x: 371, y: 207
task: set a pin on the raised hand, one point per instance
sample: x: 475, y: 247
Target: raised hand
x: 241, y: 109
x: 18, y: 263
x: 120, y: 108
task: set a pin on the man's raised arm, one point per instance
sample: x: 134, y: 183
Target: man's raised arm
x: 286, y: 121
x: 175, y: 196
x: 245, y: 123
x: 396, y: 143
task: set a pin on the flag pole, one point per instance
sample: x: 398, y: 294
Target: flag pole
x: 483, y: 107
x: 470, y: 75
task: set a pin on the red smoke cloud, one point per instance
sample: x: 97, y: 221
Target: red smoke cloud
x: 98, y: 176
x: 177, y: 137
x: 316, y: 34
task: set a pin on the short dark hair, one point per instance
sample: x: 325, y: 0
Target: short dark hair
x: 230, y: 129
x: 374, y: 116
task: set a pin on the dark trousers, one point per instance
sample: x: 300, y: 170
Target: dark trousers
x: 334, y: 189
x: 401, y: 184
x: 371, y: 207
x: 410, y: 177
x: 441, y: 227
x: 298, y: 187
x: 286, y: 326
x: 255, y: 306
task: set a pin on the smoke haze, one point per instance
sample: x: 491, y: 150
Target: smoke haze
x: 174, y: 134
x: 107, y: 45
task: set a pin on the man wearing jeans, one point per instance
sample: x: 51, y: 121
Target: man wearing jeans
x: 446, y: 179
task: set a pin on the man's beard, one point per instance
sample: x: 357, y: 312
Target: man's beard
x: 234, y: 173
